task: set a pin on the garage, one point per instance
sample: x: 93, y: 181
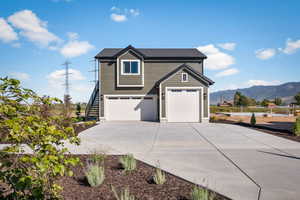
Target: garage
x: 130, y: 108
x: 183, y: 104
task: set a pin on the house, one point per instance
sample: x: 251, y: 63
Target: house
x: 147, y: 84
x: 225, y: 104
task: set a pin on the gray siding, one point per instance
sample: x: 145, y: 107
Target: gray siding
x: 154, y: 71
x: 130, y: 79
x: 175, y: 81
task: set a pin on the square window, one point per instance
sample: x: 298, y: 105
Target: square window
x: 130, y: 67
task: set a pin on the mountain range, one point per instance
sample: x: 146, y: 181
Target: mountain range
x: 285, y: 91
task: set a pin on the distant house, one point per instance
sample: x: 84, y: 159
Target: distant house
x: 271, y: 105
x: 225, y: 104
x: 166, y: 85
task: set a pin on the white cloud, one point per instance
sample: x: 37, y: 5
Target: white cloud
x: 20, y: 75
x: 134, y: 12
x: 79, y: 89
x: 7, y: 33
x: 227, y: 72
x: 59, y: 75
x: 122, y: 15
x: 75, y: 48
x: 228, y: 46
x: 265, y: 54
x: 215, y: 58
x: 16, y: 45
x: 33, y: 28
x: 262, y: 82
x: 291, y: 46
x: 118, y: 17
x: 73, y: 36
x: 114, y: 8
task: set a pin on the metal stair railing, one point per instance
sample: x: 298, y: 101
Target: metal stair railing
x: 92, y: 99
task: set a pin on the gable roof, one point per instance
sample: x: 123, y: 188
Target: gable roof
x: 153, y: 53
x: 190, y: 69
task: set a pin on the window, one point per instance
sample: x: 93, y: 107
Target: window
x: 184, y: 77
x: 130, y: 67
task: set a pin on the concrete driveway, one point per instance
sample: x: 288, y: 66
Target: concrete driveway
x: 238, y: 162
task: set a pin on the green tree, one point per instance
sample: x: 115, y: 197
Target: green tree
x: 27, y: 118
x: 78, y: 110
x: 265, y: 102
x: 244, y: 101
x: 236, y: 99
x: 297, y: 127
x: 253, y: 120
x: 297, y: 98
x: 278, y: 101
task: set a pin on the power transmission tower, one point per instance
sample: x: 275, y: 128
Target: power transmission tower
x: 67, y: 97
x: 67, y: 84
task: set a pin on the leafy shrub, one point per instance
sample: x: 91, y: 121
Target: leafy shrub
x: 94, y: 174
x: 90, y: 123
x: 159, y: 177
x: 213, y: 119
x: 28, y: 117
x: 128, y: 162
x: 297, y: 127
x: 202, y: 194
x: 253, y: 120
x: 124, y: 194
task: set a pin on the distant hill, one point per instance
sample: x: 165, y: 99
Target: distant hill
x: 285, y: 91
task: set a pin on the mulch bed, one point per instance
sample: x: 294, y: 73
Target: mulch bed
x: 79, y: 128
x: 139, y: 183
x: 277, y: 132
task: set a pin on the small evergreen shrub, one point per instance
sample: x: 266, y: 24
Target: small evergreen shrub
x: 94, y: 174
x: 159, y: 177
x: 253, y: 120
x: 124, y: 194
x: 297, y: 127
x: 128, y: 162
x: 202, y: 194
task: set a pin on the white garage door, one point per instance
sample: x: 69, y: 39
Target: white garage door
x: 124, y: 108
x: 183, y: 105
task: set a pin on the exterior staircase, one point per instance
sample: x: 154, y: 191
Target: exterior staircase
x: 92, y: 108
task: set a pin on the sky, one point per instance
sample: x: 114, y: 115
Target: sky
x: 247, y: 42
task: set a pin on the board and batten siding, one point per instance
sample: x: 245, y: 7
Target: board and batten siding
x: 153, y: 71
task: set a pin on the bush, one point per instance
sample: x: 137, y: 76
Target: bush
x: 28, y: 117
x: 90, y: 123
x: 94, y: 174
x: 159, y: 177
x: 297, y: 127
x: 202, y: 194
x: 124, y: 194
x: 253, y: 120
x: 128, y: 162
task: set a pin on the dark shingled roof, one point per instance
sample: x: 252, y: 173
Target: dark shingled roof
x: 198, y: 74
x: 154, y: 53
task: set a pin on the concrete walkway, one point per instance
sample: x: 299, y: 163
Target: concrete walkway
x: 232, y: 160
